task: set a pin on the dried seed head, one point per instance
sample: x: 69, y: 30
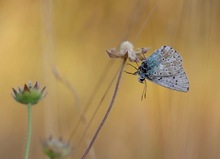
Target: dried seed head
x: 56, y: 148
x: 125, y: 47
x: 127, y: 50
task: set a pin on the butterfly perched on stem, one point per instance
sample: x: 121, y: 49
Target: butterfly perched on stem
x: 163, y: 67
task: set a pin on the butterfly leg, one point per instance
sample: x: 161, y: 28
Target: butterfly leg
x: 132, y: 66
x: 135, y: 73
x: 130, y: 73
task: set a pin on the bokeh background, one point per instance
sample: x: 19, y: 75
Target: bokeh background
x: 62, y: 45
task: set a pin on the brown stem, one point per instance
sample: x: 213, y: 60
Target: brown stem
x: 107, y: 112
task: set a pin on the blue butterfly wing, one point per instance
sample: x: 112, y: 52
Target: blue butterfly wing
x: 164, y: 67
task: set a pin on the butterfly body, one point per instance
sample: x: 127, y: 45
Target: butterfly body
x: 164, y: 67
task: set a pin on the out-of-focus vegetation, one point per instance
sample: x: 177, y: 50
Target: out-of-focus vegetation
x: 48, y: 40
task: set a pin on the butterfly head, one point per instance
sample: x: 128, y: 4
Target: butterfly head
x: 141, y: 72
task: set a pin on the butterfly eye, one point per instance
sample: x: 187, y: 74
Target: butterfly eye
x: 144, y: 65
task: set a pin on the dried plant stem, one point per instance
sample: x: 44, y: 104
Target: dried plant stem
x: 29, y: 132
x: 107, y: 112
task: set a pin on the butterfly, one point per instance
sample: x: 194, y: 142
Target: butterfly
x: 164, y: 67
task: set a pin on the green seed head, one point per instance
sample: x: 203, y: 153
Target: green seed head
x: 29, y: 94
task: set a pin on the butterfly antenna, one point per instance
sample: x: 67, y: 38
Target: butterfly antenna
x: 144, y: 90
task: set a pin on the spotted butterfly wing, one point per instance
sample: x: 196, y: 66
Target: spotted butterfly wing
x: 164, y: 67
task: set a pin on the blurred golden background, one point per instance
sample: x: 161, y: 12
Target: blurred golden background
x: 50, y: 41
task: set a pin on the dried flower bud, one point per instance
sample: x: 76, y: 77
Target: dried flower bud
x: 29, y: 94
x: 127, y: 49
x: 56, y: 148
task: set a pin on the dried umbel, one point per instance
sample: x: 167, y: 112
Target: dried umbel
x: 56, y: 148
x: 29, y: 94
x: 127, y: 50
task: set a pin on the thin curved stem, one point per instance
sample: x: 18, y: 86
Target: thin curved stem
x: 107, y: 112
x: 29, y: 106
